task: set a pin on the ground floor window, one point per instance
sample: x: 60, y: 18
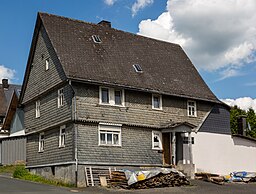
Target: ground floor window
x: 41, y: 142
x: 109, y: 135
x: 157, y: 140
x: 62, y: 136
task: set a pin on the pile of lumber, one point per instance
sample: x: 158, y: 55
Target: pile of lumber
x: 161, y: 180
x: 118, y: 180
x: 213, y: 178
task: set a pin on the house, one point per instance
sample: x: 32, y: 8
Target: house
x: 6, y: 92
x: 12, y: 139
x: 95, y: 97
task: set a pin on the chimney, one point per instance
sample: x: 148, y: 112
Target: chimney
x: 241, y: 120
x: 5, y: 84
x: 105, y: 23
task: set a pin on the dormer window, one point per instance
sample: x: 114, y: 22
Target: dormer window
x: 96, y: 38
x: 137, y: 68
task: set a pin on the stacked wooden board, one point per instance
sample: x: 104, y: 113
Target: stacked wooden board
x: 118, y: 180
x: 213, y: 178
x: 172, y: 179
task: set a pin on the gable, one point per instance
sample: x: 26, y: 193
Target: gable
x: 166, y: 68
x: 37, y: 79
x: 218, y: 121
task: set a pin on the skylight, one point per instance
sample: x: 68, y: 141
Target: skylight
x: 96, y: 38
x: 137, y: 68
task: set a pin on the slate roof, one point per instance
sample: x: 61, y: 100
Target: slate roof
x: 166, y: 67
x: 6, y: 96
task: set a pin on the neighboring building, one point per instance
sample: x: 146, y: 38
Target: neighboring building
x: 13, y: 140
x: 95, y: 96
x: 6, y: 93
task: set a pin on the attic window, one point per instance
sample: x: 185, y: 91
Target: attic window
x: 137, y: 68
x: 96, y: 38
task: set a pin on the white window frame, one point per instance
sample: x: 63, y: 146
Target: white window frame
x: 160, y: 102
x: 190, y: 107
x: 105, y: 128
x: 60, y: 97
x: 159, y: 135
x: 47, y: 62
x: 111, y: 96
x: 38, y: 108
x: 62, y: 136
x: 41, y: 143
x: 96, y: 39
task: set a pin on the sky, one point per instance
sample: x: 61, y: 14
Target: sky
x: 218, y: 36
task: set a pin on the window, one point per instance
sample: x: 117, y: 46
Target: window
x: 192, y: 108
x: 137, y: 68
x: 186, y: 140
x: 37, y: 108
x: 111, y: 96
x: 60, y: 97
x: 105, y: 95
x: 41, y: 142
x: 46, y: 64
x: 156, y: 101
x: 110, y: 135
x: 118, y: 97
x: 62, y: 136
x: 157, y: 140
x: 96, y: 38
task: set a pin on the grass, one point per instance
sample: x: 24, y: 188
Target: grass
x: 9, y: 169
x: 20, y: 172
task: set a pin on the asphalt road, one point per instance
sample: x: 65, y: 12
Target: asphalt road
x: 10, y: 185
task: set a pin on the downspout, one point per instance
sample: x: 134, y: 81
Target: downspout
x: 74, y: 117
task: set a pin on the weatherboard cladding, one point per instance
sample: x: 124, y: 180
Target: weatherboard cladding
x: 40, y: 80
x: 137, y: 110
x: 136, y: 147
x: 166, y: 67
x: 52, y: 153
x: 50, y: 114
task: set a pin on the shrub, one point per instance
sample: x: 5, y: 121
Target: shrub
x: 20, y: 172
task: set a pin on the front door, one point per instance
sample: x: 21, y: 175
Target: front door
x: 166, y: 149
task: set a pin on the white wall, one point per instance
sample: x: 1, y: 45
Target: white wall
x: 222, y: 154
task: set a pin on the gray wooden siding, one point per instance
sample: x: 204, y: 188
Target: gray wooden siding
x: 13, y: 150
x: 52, y: 153
x: 39, y: 79
x: 138, y: 108
x: 50, y: 114
x: 136, y: 147
x: 218, y: 121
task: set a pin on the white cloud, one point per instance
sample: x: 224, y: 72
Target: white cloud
x: 140, y: 4
x: 6, y: 73
x: 110, y: 2
x: 244, y: 103
x: 216, y: 34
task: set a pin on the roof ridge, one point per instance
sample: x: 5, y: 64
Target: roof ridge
x: 94, y: 24
x: 67, y: 18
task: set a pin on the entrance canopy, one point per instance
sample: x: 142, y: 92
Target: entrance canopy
x: 178, y: 127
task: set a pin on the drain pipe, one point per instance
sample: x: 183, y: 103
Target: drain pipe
x: 74, y: 117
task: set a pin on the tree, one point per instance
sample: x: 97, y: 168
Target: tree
x: 234, y: 113
x: 251, y: 119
